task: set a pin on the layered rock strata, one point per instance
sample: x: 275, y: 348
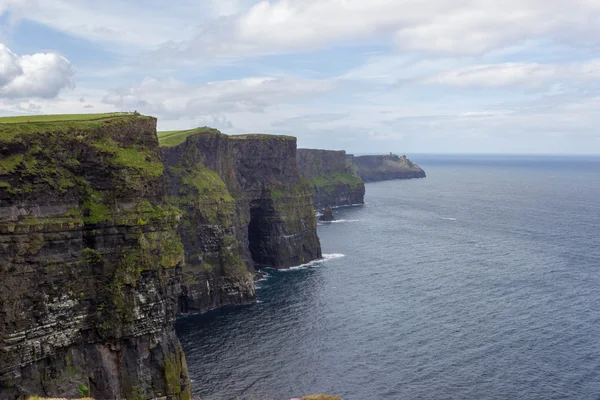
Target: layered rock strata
x: 90, y: 263
x: 332, y: 180
x: 104, y: 238
x: 244, y: 205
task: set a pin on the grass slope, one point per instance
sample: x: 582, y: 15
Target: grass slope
x: 58, y: 117
x: 13, y: 127
x: 261, y: 136
x: 173, y: 138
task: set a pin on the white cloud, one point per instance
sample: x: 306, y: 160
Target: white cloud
x: 37, y: 75
x: 469, y: 27
x: 126, y: 24
x: 175, y: 99
x: 516, y: 74
x: 10, y: 67
x: 190, y: 29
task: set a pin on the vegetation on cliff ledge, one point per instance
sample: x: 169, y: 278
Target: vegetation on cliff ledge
x: 11, y: 128
x: 174, y: 138
x: 56, y: 151
x: 335, y: 178
x: 261, y: 136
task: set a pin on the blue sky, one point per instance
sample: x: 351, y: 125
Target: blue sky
x: 428, y: 76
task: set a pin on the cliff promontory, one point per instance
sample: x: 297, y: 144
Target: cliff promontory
x: 244, y: 205
x: 332, y: 180
x: 90, y: 262
x: 384, y: 167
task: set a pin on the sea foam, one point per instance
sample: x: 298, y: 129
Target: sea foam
x: 312, y: 264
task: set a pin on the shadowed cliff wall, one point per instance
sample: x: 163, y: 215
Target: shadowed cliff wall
x: 256, y: 211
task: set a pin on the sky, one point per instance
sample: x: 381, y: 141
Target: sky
x: 409, y: 76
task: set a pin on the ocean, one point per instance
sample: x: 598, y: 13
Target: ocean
x: 481, y: 281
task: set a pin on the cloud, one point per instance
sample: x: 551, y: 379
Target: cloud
x: 516, y: 74
x: 310, y: 119
x: 174, y: 99
x: 125, y: 24
x: 37, y: 75
x: 10, y: 67
x: 467, y: 27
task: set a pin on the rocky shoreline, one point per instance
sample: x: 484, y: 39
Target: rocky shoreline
x: 107, y: 234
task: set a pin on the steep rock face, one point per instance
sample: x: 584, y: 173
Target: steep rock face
x: 384, y: 167
x: 332, y: 180
x: 283, y: 230
x: 90, y: 263
x: 244, y: 205
x: 216, y: 271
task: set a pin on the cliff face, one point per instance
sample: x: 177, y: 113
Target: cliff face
x: 332, y: 180
x: 104, y: 238
x: 90, y: 263
x: 384, y: 167
x: 244, y: 205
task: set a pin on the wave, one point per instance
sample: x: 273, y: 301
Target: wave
x: 448, y: 218
x: 312, y: 264
x: 350, y: 205
x: 338, y: 221
x: 263, y: 277
x: 333, y: 256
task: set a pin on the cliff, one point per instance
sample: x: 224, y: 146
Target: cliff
x: 90, y: 262
x: 244, y: 205
x: 384, y: 167
x: 105, y: 237
x: 332, y: 180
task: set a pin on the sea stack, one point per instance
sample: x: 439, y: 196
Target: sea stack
x: 327, y: 215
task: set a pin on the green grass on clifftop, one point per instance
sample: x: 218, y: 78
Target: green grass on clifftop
x: 261, y: 136
x: 335, y: 178
x: 12, y: 127
x: 173, y: 138
x: 58, y: 117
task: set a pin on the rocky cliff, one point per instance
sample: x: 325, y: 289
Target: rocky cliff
x: 105, y: 237
x: 244, y: 205
x: 332, y: 180
x: 384, y: 167
x: 90, y: 262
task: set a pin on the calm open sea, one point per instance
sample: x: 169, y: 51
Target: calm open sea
x: 481, y: 281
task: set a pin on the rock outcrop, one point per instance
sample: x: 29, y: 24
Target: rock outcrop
x: 244, y: 205
x: 327, y: 215
x: 384, y: 167
x: 332, y: 180
x: 90, y: 263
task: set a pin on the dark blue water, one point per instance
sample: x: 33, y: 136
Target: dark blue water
x: 480, y: 282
